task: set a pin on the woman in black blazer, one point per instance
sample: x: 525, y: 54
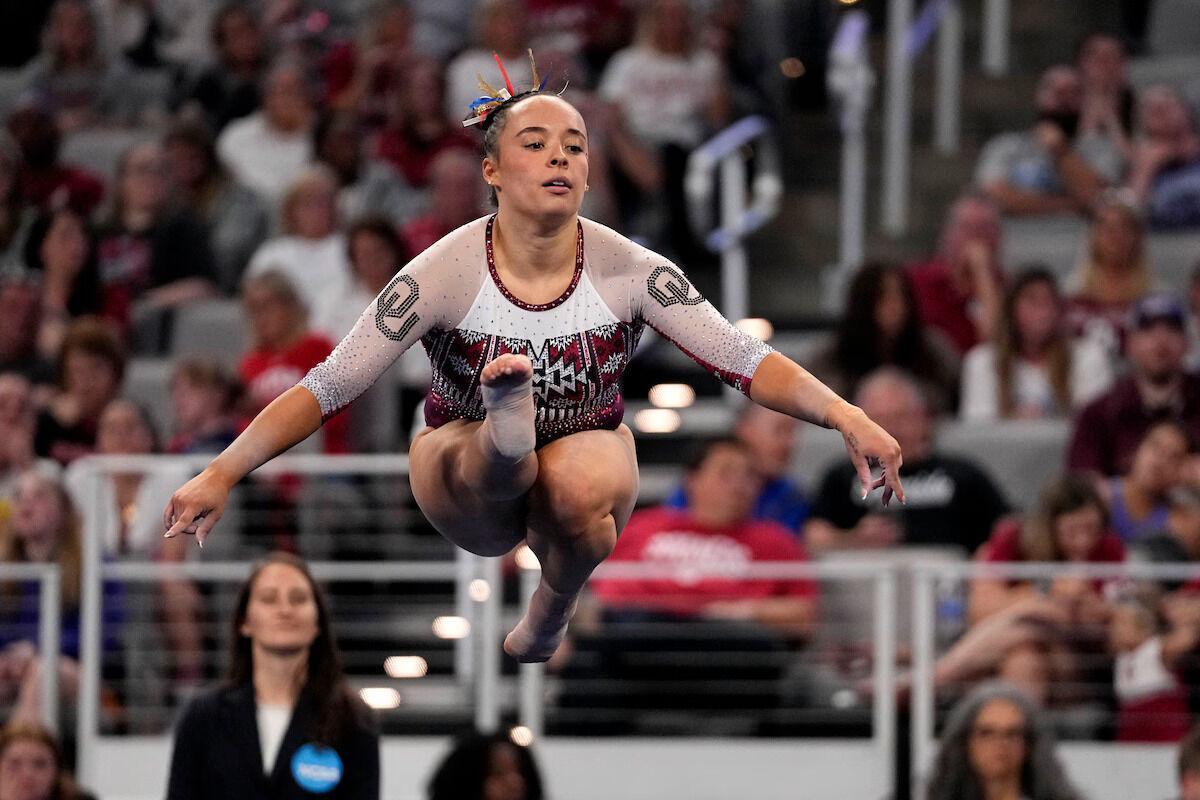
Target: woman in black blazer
x: 285, y: 725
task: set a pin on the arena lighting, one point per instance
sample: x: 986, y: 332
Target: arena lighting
x: 405, y: 667
x: 521, y: 736
x: 847, y: 2
x: 792, y: 67
x: 672, y: 395
x: 479, y: 590
x: 380, y: 697
x: 526, y: 559
x: 756, y: 326
x: 451, y: 627
x: 656, y: 420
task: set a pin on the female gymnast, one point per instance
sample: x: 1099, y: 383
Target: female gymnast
x: 529, y: 318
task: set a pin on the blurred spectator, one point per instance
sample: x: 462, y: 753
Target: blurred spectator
x: 1178, y: 538
x: 1108, y: 430
x: 591, y: 29
x: 1152, y: 704
x: 202, y: 406
x: 32, y: 766
x: 995, y: 746
x: 73, y: 77
x: 45, y: 182
x: 376, y: 253
x: 284, y: 704
x: 441, y: 27
x: 501, y: 26
x: 1032, y: 368
x: 1021, y: 172
x: 268, y: 149
x: 15, y: 215
x: 368, y: 186
x: 360, y: 77
x: 1106, y: 109
x: 1137, y: 502
x: 284, y: 347
x: 152, y: 256
x: 44, y: 528
x: 487, y: 766
x: 456, y: 198
x: 417, y: 129
x: 1189, y: 766
x: 18, y: 420
x: 671, y: 93
x: 20, y: 297
x: 236, y: 219
x: 1165, y: 174
x: 166, y: 33
x: 312, y: 253
x: 951, y: 502
x: 958, y: 289
x: 716, y: 530
x: 880, y: 327
x: 62, y: 249
x: 229, y: 89
x: 91, y: 367
x: 771, y: 440
x: 1069, y: 524
x: 1111, y: 277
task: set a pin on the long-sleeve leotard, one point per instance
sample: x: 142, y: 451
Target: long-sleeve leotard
x: 451, y: 298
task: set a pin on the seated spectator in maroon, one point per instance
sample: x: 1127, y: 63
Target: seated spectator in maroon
x: 366, y: 186
x: 91, y: 367
x: 1112, y: 275
x: 715, y: 534
x: 229, y: 89
x: 1152, y: 699
x: 74, y: 77
x: 203, y: 400
x: 18, y: 420
x: 61, y: 248
x: 455, y: 199
x: 45, y: 182
x: 1157, y: 388
x: 284, y: 348
x: 151, y: 255
x: 21, y: 299
x: 958, y: 290
x: 1069, y: 524
x: 377, y: 253
x: 950, y: 501
x: 880, y: 327
x: 1139, y: 502
x: 417, y: 129
x: 236, y: 219
x: 361, y: 76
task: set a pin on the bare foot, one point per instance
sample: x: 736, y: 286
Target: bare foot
x: 507, y: 385
x: 540, y: 632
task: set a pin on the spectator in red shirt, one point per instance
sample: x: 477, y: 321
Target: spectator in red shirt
x: 284, y: 348
x: 1109, y: 429
x: 44, y: 181
x: 716, y: 535
x: 456, y: 199
x: 958, y: 290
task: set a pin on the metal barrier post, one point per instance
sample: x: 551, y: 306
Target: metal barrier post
x: 530, y: 710
x: 897, y: 141
x: 49, y: 644
x: 883, y: 719
x: 487, y: 676
x: 923, y: 693
x: 466, y: 566
x: 996, y: 15
x: 947, y: 105
x: 91, y: 653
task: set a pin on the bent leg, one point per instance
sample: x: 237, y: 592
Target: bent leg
x: 585, y: 490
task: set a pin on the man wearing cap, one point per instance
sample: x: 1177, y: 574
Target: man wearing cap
x: 1157, y: 388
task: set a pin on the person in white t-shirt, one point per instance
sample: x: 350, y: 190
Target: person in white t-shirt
x: 1032, y: 369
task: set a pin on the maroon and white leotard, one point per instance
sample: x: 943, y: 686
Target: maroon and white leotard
x: 452, y: 299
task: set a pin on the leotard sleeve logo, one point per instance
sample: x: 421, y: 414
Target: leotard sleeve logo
x: 668, y: 286
x: 395, y: 302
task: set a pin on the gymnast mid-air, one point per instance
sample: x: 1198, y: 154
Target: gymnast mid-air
x: 529, y: 318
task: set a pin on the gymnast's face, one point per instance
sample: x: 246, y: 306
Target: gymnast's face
x: 541, y: 169
x: 282, y: 613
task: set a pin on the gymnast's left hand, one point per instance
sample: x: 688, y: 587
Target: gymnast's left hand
x: 869, y: 444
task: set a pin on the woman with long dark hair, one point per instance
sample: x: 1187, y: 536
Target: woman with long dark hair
x: 486, y: 767
x: 994, y: 747
x: 285, y: 724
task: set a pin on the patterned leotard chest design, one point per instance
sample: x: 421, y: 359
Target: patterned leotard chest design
x: 453, y: 300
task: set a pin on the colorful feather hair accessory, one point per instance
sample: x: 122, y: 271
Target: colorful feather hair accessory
x: 491, y: 99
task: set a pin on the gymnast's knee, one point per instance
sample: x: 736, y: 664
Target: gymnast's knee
x: 580, y: 515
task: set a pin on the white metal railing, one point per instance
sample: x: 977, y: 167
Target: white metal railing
x: 739, y: 218
x: 49, y: 580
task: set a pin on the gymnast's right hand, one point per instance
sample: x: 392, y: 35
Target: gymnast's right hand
x: 197, y: 505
